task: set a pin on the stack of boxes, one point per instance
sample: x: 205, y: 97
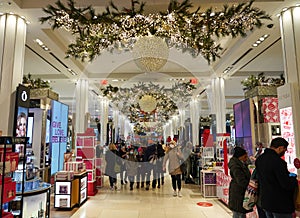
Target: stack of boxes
x: 8, y: 163
x: 86, y: 151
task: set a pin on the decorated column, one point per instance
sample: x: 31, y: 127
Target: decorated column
x: 290, y: 33
x: 12, y: 44
x: 195, y: 108
x: 82, y: 86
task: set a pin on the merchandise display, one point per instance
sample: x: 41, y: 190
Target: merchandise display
x: 86, y: 151
x: 70, y: 190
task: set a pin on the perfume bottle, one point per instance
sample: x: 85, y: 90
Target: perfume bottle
x: 41, y: 211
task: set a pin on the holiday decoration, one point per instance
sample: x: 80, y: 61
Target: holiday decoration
x: 150, y: 53
x: 37, y: 83
x: 149, y: 102
x: 192, y: 31
x: 260, y: 80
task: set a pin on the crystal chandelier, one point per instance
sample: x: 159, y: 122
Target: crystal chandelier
x: 150, y: 53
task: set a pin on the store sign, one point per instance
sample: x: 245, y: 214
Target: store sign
x: 23, y: 96
x: 285, y: 95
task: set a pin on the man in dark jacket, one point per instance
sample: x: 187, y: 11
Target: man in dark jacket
x: 276, y: 186
x: 240, y: 177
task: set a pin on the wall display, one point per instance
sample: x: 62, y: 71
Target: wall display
x: 58, y: 136
x: 242, y: 120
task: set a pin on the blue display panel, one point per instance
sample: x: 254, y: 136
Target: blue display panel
x: 58, y: 135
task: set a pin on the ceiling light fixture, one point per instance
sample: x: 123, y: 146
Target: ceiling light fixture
x: 179, y: 27
x: 260, y: 40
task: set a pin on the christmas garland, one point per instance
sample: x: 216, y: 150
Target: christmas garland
x: 191, y: 31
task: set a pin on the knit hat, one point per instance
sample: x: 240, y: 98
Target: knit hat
x: 239, y: 151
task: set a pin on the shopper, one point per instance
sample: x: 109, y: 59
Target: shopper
x: 112, y: 160
x: 158, y: 174
x: 131, y: 166
x: 141, y: 171
x: 240, y: 177
x: 150, y: 157
x: 123, y: 174
x: 276, y: 185
x: 174, y: 155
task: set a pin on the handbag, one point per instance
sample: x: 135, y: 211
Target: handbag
x: 251, y: 194
x: 183, y: 166
x: 117, y: 168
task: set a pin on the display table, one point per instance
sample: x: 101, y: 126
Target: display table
x: 71, y: 193
x: 36, y: 202
x: 208, y: 183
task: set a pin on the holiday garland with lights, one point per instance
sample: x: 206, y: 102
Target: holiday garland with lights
x: 166, y: 100
x: 192, y: 31
x: 260, y: 80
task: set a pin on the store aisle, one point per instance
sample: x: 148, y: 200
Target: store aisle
x: 158, y: 203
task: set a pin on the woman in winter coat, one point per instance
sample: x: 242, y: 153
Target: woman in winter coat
x: 174, y: 155
x: 112, y: 158
x: 131, y: 166
x: 240, y: 177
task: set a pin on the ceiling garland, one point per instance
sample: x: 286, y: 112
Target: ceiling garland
x: 165, y: 100
x: 118, y: 29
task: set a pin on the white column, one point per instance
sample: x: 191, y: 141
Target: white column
x: 195, y: 108
x: 290, y: 33
x: 181, y: 110
x: 116, y: 119
x: 104, y: 105
x: 128, y: 128
x: 82, y: 87
x: 12, y: 50
x: 219, y: 103
x: 122, y: 124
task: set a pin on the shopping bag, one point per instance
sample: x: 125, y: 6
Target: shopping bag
x: 251, y: 195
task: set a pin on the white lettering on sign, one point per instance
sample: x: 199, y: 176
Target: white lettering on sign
x: 24, y: 96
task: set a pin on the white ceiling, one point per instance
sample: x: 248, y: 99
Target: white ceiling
x: 53, y: 65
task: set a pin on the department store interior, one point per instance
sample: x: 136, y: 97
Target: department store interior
x: 77, y: 76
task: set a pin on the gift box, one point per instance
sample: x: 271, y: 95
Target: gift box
x: 91, y: 175
x: 9, y: 189
x: 64, y: 176
x: 86, y: 152
x: 89, y: 164
x: 85, y: 141
x: 74, y: 166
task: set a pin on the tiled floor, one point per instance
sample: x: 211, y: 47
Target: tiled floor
x: 139, y: 203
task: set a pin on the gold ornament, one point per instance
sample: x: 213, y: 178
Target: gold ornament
x: 147, y: 103
x: 150, y: 53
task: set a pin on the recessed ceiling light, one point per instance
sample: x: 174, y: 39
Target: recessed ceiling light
x: 266, y: 36
x: 115, y: 80
x: 254, y: 45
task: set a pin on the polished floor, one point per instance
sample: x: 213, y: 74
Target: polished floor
x: 139, y: 203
